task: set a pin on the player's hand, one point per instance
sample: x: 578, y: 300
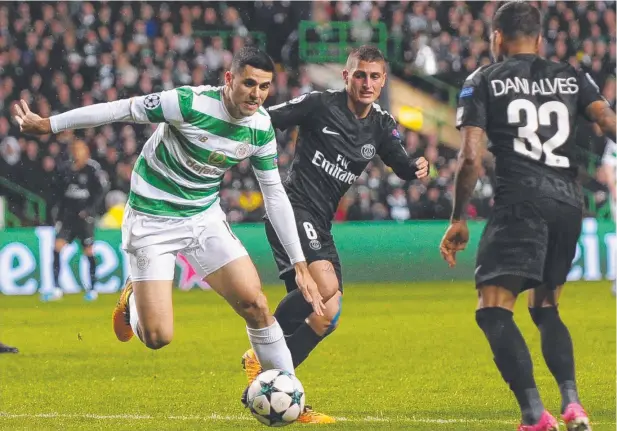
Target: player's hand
x: 454, y: 240
x: 309, y: 288
x: 28, y: 121
x: 423, y: 167
x: 83, y: 214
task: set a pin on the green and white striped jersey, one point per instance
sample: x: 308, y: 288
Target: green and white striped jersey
x: 180, y: 169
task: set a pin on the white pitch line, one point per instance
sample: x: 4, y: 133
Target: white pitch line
x: 217, y: 417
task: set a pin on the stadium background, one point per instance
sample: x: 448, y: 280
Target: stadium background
x: 408, y: 354
x: 64, y: 55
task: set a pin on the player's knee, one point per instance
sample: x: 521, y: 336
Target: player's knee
x: 492, y: 319
x: 157, y: 338
x: 328, y: 290
x: 327, y: 324
x: 543, y: 315
x: 255, y: 311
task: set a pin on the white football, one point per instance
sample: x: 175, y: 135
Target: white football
x: 276, y: 398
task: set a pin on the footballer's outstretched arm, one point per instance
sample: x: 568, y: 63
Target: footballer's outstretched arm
x: 152, y: 108
x: 601, y: 113
x: 467, y: 169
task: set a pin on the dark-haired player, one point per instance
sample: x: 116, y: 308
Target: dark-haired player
x: 174, y: 206
x: 527, y: 106
x: 340, y: 133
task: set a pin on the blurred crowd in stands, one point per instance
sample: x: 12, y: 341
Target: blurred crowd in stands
x: 62, y: 55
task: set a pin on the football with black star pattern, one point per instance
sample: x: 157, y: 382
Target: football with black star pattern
x: 276, y: 398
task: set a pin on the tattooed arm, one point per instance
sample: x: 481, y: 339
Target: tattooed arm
x: 467, y: 169
x: 471, y: 120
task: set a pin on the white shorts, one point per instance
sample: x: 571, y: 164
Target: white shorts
x: 152, y: 243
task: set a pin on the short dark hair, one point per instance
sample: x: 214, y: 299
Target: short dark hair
x: 517, y: 19
x: 368, y: 53
x: 252, y: 56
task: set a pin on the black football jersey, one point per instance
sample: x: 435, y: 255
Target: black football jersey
x: 80, y: 190
x: 528, y: 107
x: 334, y: 147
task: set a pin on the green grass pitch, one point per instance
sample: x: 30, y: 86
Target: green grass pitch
x: 405, y: 357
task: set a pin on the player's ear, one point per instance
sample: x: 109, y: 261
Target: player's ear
x: 345, y: 75
x: 383, y: 80
x: 539, y: 41
x: 228, y: 78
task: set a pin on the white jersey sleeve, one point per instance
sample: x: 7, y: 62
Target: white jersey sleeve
x: 152, y: 108
x: 157, y: 108
x: 278, y: 207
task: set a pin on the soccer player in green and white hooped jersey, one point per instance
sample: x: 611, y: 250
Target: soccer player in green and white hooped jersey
x: 174, y: 201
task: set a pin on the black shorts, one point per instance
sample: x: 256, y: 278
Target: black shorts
x: 69, y: 228
x: 317, y: 244
x: 528, y: 244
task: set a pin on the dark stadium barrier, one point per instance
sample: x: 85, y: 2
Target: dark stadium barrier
x: 375, y: 252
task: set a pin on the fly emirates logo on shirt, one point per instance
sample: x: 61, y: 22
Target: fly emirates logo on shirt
x: 338, y: 170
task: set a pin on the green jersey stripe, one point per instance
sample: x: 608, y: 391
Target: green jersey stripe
x: 185, y: 100
x: 217, y: 159
x: 228, y: 130
x: 165, y: 157
x: 163, y: 208
x: 164, y: 184
x: 214, y: 94
x: 265, y: 163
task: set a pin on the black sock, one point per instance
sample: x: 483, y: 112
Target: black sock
x: 292, y: 311
x: 512, y: 358
x: 92, y: 261
x: 558, y: 351
x: 56, y: 268
x: 302, y: 343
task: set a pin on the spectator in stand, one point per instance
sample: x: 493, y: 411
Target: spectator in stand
x: 73, y: 54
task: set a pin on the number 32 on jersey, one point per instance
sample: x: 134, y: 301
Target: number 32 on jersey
x: 528, y: 142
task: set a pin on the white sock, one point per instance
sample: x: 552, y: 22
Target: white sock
x: 134, y: 318
x: 270, y: 348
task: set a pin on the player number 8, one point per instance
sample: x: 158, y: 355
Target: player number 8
x: 310, y: 230
x: 536, y: 117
